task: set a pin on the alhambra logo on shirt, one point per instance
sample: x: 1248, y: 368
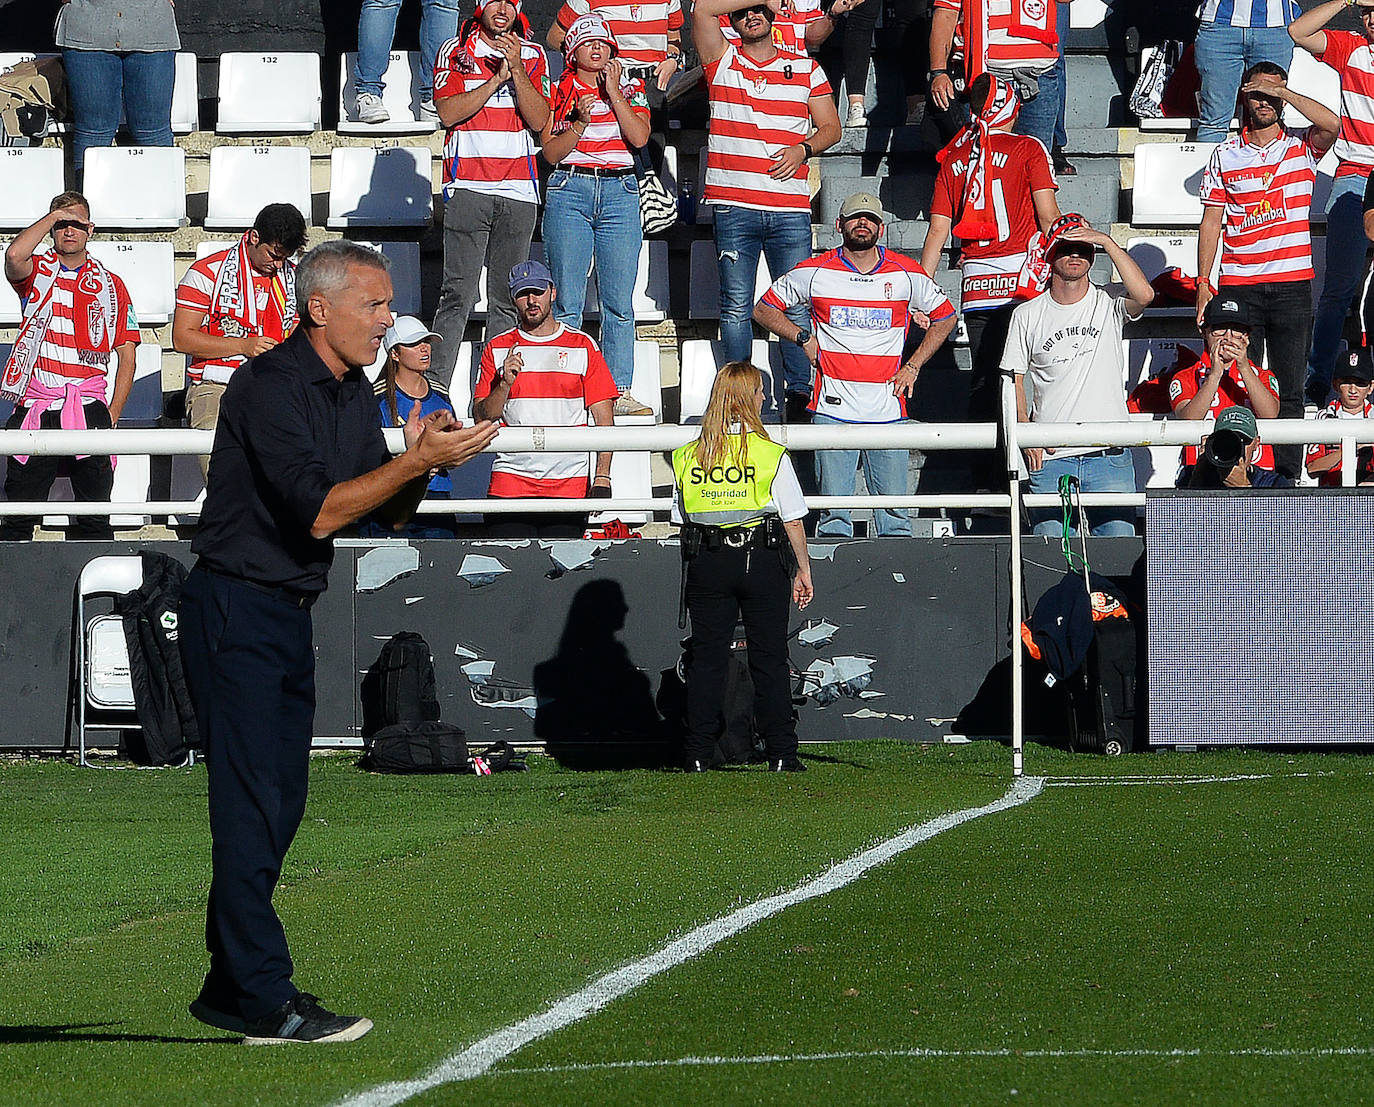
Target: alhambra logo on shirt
x: 1268, y: 210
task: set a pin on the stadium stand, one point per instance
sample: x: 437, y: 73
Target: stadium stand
x: 136, y: 187
x: 386, y: 187
x: 243, y: 179
x: 400, y: 96
x: 405, y: 274
x: 269, y: 93
x: 29, y: 178
x: 146, y: 268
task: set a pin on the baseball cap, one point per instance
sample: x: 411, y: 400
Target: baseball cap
x: 530, y: 274
x: 406, y: 331
x: 862, y: 203
x: 1225, y: 311
x: 1070, y: 221
x: 1239, y: 420
x: 1356, y: 364
x: 588, y: 28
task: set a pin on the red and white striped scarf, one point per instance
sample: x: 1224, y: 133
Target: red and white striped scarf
x: 233, y: 293
x: 977, y: 221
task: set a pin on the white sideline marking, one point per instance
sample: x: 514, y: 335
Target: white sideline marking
x: 881, y: 1054
x: 477, y: 1058
x: 1123, y: 781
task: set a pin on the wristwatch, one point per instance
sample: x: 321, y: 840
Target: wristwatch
x: 803, y: 336
x: 936, y: 73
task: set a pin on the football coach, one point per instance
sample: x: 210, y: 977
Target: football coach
x: 298, y: 455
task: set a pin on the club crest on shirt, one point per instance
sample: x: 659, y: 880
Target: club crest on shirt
x: 760, y: 85
x: 887, y: 290
x: 95, y: 324
x: 562, y: 360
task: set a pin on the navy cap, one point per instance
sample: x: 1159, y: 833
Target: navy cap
x: 1356, y: 364
x: 530, y: 274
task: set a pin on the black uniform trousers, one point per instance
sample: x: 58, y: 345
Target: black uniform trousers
x: 29, y: 481
x: 250, y: 666
x: 723, y: 587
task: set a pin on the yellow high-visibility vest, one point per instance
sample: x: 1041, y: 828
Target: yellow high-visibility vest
x: 728, y: 494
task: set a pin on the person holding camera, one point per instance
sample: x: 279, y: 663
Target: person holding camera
x: 1229, y: 454
x: 744, y: 556
x: 1354, y: 381
x: 591, y: 212
x: 1224, y: 376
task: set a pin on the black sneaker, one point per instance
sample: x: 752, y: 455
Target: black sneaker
x: 213, y: 1006
x: 1062, y: 166
x: 692, y: 765
x: 786, y: 765
x: 302, y: 1019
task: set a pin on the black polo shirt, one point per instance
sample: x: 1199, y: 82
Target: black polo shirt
x: 288, y: 431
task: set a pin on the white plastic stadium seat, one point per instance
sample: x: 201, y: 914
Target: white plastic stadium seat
x: 146, y: 269
x: 262, y: 93
x: 646, y: 385
x: 102, y: 658
x: 30, y: 176
x: 702, y: 359
x: 704, y: 294
x: 650, y: 302
x: 185, y: 96
x: 631, y: 479
x: 1167, y: 179
x: 400, y: 96
x: 245, y: 179
x: 137, y: 187
x: 389, y: 187
x: 1308, y: 76
x: 1155, y: 254
x: 1086, y: 14
x: 405, y: 274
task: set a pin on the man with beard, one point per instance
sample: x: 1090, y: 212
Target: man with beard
x: 1067, y: 341
x: 543, y: 374
x: 78, y: 323
x: 491, y: 90
x: 771, y: 113
x: 1256, y: 194
x: 862, y: 299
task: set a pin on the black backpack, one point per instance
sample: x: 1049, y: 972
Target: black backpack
x: 738, y: 743
x: 399, y: 688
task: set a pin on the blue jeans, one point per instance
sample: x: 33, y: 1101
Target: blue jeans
x: 1062, y: 27
x: 784, y: 239
x: 589, y: 217
x: 1345, y: 250
x: 1223, y: 53
x: 1038, y: 117
x: 99, y: 83
x: 377, y: 28
x: 885, y: 473
x: 1099, y: 472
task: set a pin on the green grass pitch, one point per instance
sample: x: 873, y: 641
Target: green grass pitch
x: 1140, y: 932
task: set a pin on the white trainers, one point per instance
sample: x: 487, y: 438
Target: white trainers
x: 856, y: 117
x: 626, y: 404
x: 370, y: 109
x: 428, y: 112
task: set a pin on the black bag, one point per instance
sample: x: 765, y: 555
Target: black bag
x: 738, y: 743
x: 425, y: 747
x: 1102, y: 694
x: 162, y: 699
x: 399, y: 688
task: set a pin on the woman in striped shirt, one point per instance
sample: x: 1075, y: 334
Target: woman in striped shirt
x: 592, y: 203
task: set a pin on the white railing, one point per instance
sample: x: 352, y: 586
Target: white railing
x: 917, y: 436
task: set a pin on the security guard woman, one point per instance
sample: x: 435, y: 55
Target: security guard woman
x: 744, y: 554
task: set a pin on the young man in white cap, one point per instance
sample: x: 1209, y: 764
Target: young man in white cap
x: 861, y: 299
x: 491, y: 89
x: 543, y: 373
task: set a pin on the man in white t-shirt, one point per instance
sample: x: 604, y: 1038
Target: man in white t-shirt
x: 1064, y: 348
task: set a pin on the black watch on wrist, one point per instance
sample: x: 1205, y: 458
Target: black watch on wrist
x: 810, y: 153
x: 936, y: 73
x: 803, y: 336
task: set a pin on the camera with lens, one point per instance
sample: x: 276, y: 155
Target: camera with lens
x: 1224, y: 449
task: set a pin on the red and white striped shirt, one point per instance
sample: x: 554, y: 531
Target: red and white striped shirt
x: 860, y: 321
x: 1331, y: 478
x: 195, y: 292
x: 640, y: 29
x: 1005, y: 50
x: 602, y: 144
x: 1231, y: 392
x: 1018, y: 166
x: 563, y: 376
x: 67, y: 353
x: 492, y: 151
x: 789, y: 25
x: 1351, y: 55
x: 1267, y: 194
x: 758, y: 110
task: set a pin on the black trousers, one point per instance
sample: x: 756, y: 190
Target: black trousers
x: 250, y: 665
x: 723, y: 587
x: 1281, y: 323
x: 92, y: 478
